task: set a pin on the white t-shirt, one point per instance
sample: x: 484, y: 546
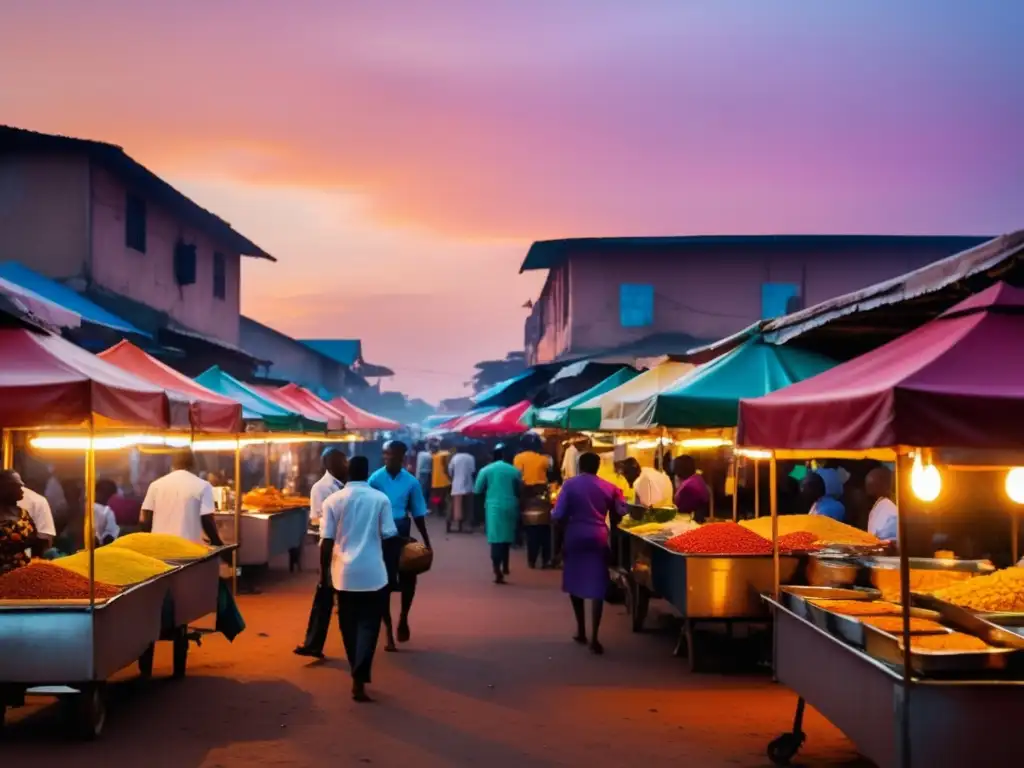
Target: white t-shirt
x: 570, y: 462
x: 38, y: 509
x: 461, y: 468
x: 358, y: 518
x: 653, y: 488
x: 319, y: 493
x: 104, y: 521
x: 882, y: 520
x: 178, y: 501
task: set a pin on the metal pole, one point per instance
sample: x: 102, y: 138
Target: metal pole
x: 1015, y: 533
x: 735, y: 488
x: 8, y: 449
x: 238, y: 516
x: 757, y: 488
x: 90, y: 533
x: 903, y: 544
x: 772, y: 470
x: 266, y: 465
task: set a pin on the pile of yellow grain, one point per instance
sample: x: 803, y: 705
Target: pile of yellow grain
x: 1002, y: 591
x: 921, y: 580
x: 827, y: 530
x: 162, y: 546
x: 118, y: 566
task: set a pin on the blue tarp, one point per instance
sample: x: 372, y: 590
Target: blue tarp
x: 59, y: 293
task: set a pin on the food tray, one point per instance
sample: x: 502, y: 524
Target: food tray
x: 853, y: 631
x: 978, y: 624
x: 795, y: 598
x: 888, y: 648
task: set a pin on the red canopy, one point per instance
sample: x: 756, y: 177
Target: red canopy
x: 957, y: 381
x: 503, y: 422
x: 192, y: 406
x: 303, y: 397
x: 46, y: 381
x: 357, y: 418
x: 287, y: 401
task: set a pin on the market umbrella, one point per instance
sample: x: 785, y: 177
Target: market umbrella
x: 605, y: 410
x: 559, y: 415
x: 507, y: 421
x: 255, y: 407
x: 192, y: 406
x: 357, y: 418
x: 957, y: 381
x: 46, y: 381
x: 708, y: 397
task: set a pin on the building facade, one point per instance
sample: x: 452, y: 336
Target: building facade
x: 602, y: 294
x: 88, y: 215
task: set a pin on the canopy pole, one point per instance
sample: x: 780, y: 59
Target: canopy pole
x: 8, y: 449
x: 735, y: 488
x: 90, y: 531
x: 772, y: 470
x: 266, y: 465
x: 903, y: 703
x: 1015, y: 533
x: 238, y: 516
x: 757, y: 488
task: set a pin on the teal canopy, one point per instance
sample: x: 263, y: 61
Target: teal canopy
x: 708, y: 397
x: 560, y: 414
x: 255, y: 407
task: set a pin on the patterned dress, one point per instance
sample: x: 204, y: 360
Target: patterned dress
x: 16, y: 537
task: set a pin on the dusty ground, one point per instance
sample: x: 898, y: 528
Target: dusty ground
x: 490, y: 677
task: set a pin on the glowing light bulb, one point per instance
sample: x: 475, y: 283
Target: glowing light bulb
x: 925, y: 480
x: 1015, y: 485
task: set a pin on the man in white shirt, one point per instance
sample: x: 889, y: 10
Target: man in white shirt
x: 103, y: 519
x: 882, y: 518
x: 651, y: 487
x: 39, y: 510
x: 461, y: 468
x: 570, y: 462
x: 356, y: 520
x: 181, y: 503
x: 335, y: 464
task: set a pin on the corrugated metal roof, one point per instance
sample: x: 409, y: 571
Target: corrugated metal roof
x: 345, y: 351
x: 546, y: 254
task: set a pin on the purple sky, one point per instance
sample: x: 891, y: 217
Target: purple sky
x: 405, y: 155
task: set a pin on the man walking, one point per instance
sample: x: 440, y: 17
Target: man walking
x: 356, y: 520
x: 335, y: 464
x: 461, y: 469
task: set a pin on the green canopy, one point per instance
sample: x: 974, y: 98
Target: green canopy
x: 255, y: 407
x: 709, y: 396
x: 559, y: 415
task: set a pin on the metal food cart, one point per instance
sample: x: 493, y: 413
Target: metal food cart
x: 264, y: 534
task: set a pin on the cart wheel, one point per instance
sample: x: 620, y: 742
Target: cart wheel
x: 146, y: 662
x: 86, y: 712
x: 784, y: 749
x: 180, y: 653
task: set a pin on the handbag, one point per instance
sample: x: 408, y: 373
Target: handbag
x: 415, y: 558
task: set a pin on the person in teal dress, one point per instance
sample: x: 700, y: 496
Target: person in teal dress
x: 500, y: 485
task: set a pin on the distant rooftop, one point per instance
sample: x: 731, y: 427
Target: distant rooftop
x: 548, y: 254
x: 136, y: 176
x: 348, y: 352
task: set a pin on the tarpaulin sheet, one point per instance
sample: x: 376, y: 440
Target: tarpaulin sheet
x: 507, y: 421
x: 957, y: 381
x: 46, y: 381
x: 606, y: 411
x: 255, y: 407
x: 559, y: 415
x: 357, y: 418
x: 192, y: 406
x: 708, y: 397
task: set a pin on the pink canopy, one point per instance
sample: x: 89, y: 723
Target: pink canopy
x: 303, y: 397
x: 287, y: 401
x: 193, y: 406
x: 503, y: 422
x: 957, y: 381
x: 357, y: 418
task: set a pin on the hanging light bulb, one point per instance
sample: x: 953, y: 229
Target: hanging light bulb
x: 925, y: 481
x: 1015, y: 485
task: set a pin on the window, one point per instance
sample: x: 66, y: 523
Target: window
x: 636, y: 305
x: 135, y: 223
x: 184, y: 263
x: 220, y: 277
x: 779, y: 299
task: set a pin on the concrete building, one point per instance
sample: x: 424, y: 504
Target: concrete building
x: 606, y: 293
x: 86, y: 214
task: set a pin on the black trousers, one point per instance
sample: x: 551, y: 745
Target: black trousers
x: 319, y: 618
x: 499, y: 556
x: 359, y: 617
x: 538, y: 542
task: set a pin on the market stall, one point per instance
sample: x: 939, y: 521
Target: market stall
x: 357, y: 419
x: 559, y: 415
x: 500, y: 423
x: 607, y: 410
x: 950, y: 667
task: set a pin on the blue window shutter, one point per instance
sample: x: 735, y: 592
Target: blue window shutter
x: 636, y: 305
x: 778, y: 299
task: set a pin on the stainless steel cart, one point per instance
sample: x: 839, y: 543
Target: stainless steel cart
x: 265, y: 535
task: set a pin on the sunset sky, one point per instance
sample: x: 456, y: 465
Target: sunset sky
x: 399, y: 157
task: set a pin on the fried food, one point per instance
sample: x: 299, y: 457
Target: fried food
x: 952, y: 641
x: 894, y: 624
x: 1001, y: 592
x: 858, y: 607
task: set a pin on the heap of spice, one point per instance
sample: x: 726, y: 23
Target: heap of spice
x: 798, y: 541
x: 162, y: 546
x: 827, y: 530
x: 117, y: 566
x: 720, y: 539
x: 951, y: 641
x: 1003, y: 591
x: 44, y: 581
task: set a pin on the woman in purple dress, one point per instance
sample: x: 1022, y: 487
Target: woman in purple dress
x: 582, y: 532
